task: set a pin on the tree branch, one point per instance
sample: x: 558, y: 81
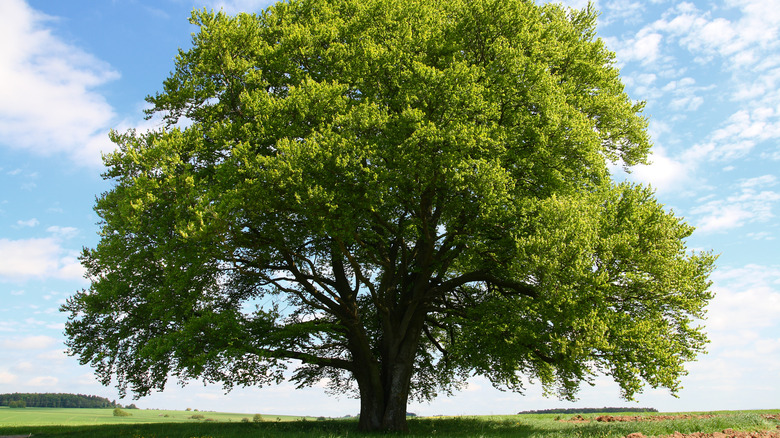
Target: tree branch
x: 519, y: 287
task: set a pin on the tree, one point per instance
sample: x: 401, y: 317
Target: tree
x: 14, y: 404
x: 118, y: 412
x: 394, y: 196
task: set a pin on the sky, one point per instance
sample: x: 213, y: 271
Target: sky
x: 709, y: 71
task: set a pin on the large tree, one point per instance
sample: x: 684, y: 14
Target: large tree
x: 392, y: 195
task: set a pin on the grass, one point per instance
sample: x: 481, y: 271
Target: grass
x: 84, y: 417
x: 149, y: 424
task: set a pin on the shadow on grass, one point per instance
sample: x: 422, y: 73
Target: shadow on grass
x: 455, y: 427
x: 446, y: 427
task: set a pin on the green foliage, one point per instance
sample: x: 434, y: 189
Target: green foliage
x: 15, y: 404
x: 197, y: 416
x: 257, y: 418
x: 118, y: 412
x: 417, y: 191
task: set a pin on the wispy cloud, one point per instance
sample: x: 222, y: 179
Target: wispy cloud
x: 29, y: 343
x: 37, y: 258
x: 753, y: 202
x: 745, y: 297
x: 685, y: 95
x: 236, y: 6
x: 7, y: 378
x: 644, y: 47
x: 742, y: 41
x: 42, y: 80
x: 63, y: 232
x: 30, y: 223
x: 44, y: 381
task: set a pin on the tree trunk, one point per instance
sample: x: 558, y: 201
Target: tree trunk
x: 383, y: 406
x: 384, y: 387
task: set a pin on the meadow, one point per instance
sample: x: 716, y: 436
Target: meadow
x: 52, y: 422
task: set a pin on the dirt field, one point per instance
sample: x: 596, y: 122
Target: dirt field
x: 728, y: 433
x: 622, y: 418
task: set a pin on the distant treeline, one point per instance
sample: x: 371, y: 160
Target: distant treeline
x: 56, y: 401
x: 587, y: 410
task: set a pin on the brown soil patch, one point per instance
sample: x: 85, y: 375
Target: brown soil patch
x: 728, y: 433
x: 624, y: 418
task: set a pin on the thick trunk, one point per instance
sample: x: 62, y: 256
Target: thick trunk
x: 371, y: 409
x: 383, y: 407
x: 384, y: 388
x: 398, y: 394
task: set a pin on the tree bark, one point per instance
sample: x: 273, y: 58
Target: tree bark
x: 384, y: 387
x: 383, y: 406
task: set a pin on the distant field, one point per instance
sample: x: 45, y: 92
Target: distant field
x: 82, y: 417
x: 48, y: 422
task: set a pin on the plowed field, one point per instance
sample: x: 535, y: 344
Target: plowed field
x: 727, y: 433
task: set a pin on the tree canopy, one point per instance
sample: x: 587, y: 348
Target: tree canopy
x: 393, y: 196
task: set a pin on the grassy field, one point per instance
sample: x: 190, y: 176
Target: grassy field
x: 83, y: 417
x: 43, y: 422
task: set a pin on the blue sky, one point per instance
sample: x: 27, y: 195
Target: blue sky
x: 709, y: 71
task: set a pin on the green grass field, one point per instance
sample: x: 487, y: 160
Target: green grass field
x: 49, y: 422
x: 83, y: 417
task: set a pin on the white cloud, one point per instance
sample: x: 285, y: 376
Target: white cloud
x: 742, y: 38
x: 743, y: 328
x: 23, y: 366
x: 40, y: 257
x: 735, y: 211
x: 743, y: 41
x: 7, y: 378
x: 63, y: 232
x: 87, y: 379
x: 752, y: 203
x: 746, y: 297
x: 236, y: 6
x: 664, y: 173
x: 760, y: 181
x: 756, y: 307
x: 39, y: 342
x: 762, y: 235
x: 579, y: 4
x: 645, y: 47
x: 684, y: 94
x: 744, y: 129
x: 33, y: 322
x: 53, y: 355
x: 626, y: 10
x: 42, y: 81
x: 45, y: 381
x: 28, y: 223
